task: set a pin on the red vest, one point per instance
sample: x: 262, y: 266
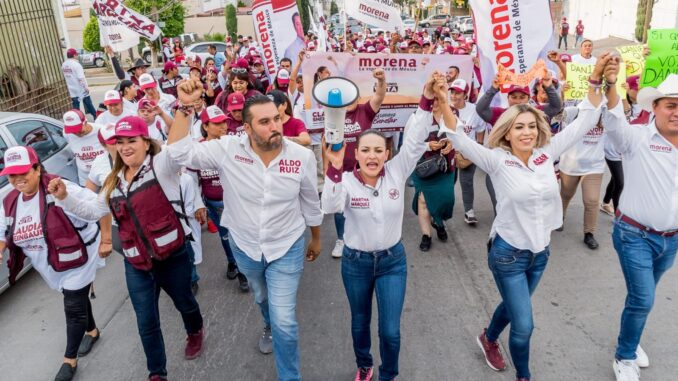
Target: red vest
x: 148, y: 224
x: 65, y: 248
x: 210, y: 184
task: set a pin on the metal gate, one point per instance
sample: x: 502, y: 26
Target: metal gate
x: 30, y: 59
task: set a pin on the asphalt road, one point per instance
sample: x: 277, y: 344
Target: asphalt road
x: 450, y: 297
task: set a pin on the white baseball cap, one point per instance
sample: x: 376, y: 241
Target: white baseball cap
x: 212, y: 114
x: 19, y: 160
x: 459, y: 85
x: 146, y: 81
x: 106, y: 134
x: 73, y: 121
x: 112, y: 97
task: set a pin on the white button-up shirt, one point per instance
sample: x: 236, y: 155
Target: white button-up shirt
x: 529, y: 206
x: 374, y: 221
x: 266, y: 209
x: 650, y: 163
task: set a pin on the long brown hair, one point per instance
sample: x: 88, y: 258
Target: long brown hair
x: 112, y: 179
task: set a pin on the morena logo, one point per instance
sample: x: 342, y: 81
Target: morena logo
x: 124, y: 126
x: 393, y: 194
x: 13, y: 157
x: 388, y: 62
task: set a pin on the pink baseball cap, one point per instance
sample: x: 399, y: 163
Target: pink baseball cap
x: 513, y: 88
x: 236, y: 101
x: 106, y: 134
x: 242, y: 63
x: 19, y: 160
x: 566, y: 57
x: 459, y: 85
x: 146, y: 103
x: 632, y: 81
x: 70, y: 53
x: 112, y: 97
x: 169, y: 65
x: 131, y: 126
x: 146, y: 81
x: 283, y: 77
x: 213, y: 114
x: 73, y: 121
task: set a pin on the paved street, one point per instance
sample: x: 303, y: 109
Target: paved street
x: 450, y: 297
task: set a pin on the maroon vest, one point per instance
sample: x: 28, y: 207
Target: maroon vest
x: 148, y: 224
x: 65, y: 248
x: 210, y: 185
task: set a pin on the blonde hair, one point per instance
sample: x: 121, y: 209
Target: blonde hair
x: 508, y: 118
x: 112, y: 179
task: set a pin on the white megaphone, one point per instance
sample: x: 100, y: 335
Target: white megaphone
x: 335, y: 94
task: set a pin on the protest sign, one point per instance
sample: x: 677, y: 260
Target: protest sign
x: 663, y: 58
x: 380, y: 13
x: 405, y: 76
x: 507, y: 77
x: 277, y: 25
x: 633, y: 58
x: 121, y: 27
x: 515, y: 34
x: 578, y: 80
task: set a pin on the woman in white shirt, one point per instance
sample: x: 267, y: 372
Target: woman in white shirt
x: 374, y: 257
x: 520, y: 164
x: 61, y: 247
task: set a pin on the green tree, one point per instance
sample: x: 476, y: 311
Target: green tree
x: 170, y: 12
x: 302, y: 5
x: 231, y: 22
x: 643, y: 19
x: 333, y: 8
x: 90, y: 35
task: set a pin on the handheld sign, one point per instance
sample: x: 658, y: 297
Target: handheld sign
x: 663, y: 58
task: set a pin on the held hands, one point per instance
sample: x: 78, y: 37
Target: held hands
x: 611, y: 70
x: 598, y: 69
x: 440, y: 88
x: 57, y: 188
x: 189, y: 91
x: 429, y: 92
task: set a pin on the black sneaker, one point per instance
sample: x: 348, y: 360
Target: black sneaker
x: 87, y: 343
x: 440, y: 232
x: 66, y: 372
x: 231, y: 271
x: 242, y: 283
x: 425, y: 244
x: 590, y: 241
x: 195, y: 288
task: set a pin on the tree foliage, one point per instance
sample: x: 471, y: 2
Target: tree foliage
x: 642, y: 24
x: 302, y: 5
x: 334, y: 9
x: 172, y: 13
x: 231, y: 22
x: 90, y: 35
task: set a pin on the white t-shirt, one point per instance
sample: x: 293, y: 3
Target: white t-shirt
x: 75, y: 78
x: 107, y: 118
x: 158, y: 130
x: 85, y: 149
x: 101, y: 167
x: 580, y: 60
x: 129, y: 106
x: 28, y: 235
x: 588, y: 155
x: 471, y: 121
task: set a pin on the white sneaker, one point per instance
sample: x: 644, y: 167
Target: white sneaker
x: 338, y: 249
x: 641, y: 358
x: 607, y: 208
x: 626, y: 370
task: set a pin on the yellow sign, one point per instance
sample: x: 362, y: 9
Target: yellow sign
x: 633, y: 58
x: 578, y: 80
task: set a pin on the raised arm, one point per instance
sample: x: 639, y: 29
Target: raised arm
x: 115, y: 63
x: 380, y: 92
x: 295, y: 72
x: 334, y: 194
x: 624, y: 137
x: 483, y: 106
x: 81, y: 202
x: 555, y: 103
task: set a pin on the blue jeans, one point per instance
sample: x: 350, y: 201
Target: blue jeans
x: 383, y: 272
x: 191, y: 256
x: 339, y: 222
x: 516, y: 273
x: 89, y: 107
x: 275, y: 287
x: 214, y: 210
x: 174, y: 276
x: 644, y: 258
x: 577, y: 39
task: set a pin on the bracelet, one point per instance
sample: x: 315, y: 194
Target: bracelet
x: 186, y: 110
x: 595, y: 82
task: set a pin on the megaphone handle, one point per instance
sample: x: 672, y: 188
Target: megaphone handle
x: 337, y: 147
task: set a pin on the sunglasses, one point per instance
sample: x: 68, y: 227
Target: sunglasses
x: 239, y: 70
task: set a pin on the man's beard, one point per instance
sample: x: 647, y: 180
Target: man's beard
x: 267, y: 145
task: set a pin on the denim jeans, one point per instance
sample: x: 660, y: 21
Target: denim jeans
x: 516, y: 273
x: 89, y: 107
x: 191, y: 257
x: 275, y: 287
x: 383, y: 272
x: 577, y: 39
x: 339, y: 222
x: 644, y: 258
x: 466, y: 180
x: 174, y: 276
x: 214, y: 210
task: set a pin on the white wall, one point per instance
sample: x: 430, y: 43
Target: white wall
x: 604, y: 18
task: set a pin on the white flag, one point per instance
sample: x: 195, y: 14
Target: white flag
x: 380, y: 13
x: 121, y: 27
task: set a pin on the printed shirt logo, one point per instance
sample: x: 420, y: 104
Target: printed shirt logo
x: 661, y: 148
x: 351, y: 128
x: 27, y: 230
x: 244, y: 160
x: 289, y: 166
x: 541, y: 159
x: 512, y: 163
x: 393, y: 194
x: 360, y: 203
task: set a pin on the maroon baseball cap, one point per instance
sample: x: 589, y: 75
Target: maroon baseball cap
x: 169, y: 65
x: 523, y: 89
x: 235, y: 101
x: 632, y: 82
x: 146, y: 103
x: 73, y: 121
x: 242, y: 63
x: 19, y: 160
x: 566, y: 57
x: 213, y: 114
x: 131, y: 126
x: 70, y: 53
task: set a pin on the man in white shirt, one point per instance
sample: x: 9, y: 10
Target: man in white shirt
x: 77, y: 83
x: 115, y: 109
x: 270, y: 196
x: 585, y: 56
x: 83, y: 142
x: 645, y: 233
